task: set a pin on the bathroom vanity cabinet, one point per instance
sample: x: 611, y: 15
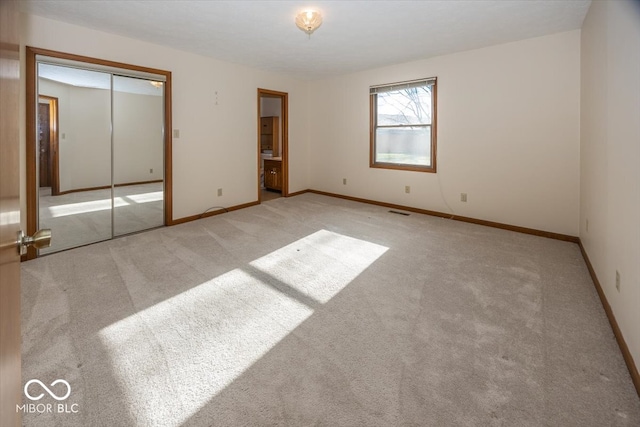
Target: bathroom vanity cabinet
x: 273, y: 174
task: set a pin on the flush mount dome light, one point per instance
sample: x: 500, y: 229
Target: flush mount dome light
x: 308, y: 21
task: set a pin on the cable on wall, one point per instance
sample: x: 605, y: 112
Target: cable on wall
x: 442, y: 192
x: 213, y: 207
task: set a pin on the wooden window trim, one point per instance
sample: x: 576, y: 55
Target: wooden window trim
x: 399, y: 166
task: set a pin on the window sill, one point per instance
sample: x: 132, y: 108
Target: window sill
x: 404, y: 167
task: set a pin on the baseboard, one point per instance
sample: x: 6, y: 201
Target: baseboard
x: 626, y: 354
x: 525, y: 230
x: 212, y: 213
x: 297, y: 193
x: 223, y: 210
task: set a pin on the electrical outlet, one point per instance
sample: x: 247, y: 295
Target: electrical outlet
x: 219, y: 192
x: 463, y: 197
x: 617, y: 281
x: 151, y: 170
x: 407, y: 189
x: 176, y: 133
x: 344, y: 181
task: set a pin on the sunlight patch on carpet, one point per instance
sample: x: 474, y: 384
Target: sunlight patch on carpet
x: 155, y: 196
x: 321, y: 264
x: 172, y: 358
x: 101, y: 205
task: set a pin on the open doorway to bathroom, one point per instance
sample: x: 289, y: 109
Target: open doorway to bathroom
x: 273, y: 127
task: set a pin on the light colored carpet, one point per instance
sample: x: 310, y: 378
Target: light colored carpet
x: 313, y: 310
x: 84, y: 217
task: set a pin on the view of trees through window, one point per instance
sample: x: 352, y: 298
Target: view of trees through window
x: 403, y: 125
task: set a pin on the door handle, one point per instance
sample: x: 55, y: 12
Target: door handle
x: 40, y: 240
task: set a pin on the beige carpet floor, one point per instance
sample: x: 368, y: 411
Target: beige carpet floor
x: 316, y: 311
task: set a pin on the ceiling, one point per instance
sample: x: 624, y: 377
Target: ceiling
x: 355, y: 35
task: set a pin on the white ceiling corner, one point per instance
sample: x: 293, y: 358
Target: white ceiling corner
x: 354, y: 36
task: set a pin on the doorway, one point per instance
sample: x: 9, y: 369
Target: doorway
x: 273, y: 145
x: 101, y: 166
x: 49, y: 178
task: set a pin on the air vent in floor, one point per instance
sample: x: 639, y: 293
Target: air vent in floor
x: 400, y: 213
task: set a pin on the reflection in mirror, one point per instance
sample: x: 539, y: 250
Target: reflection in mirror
x: 74, y: 146
x: 138, y: 154
x: 101, y: 155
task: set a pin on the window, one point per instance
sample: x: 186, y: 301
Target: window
x: 403, y: 125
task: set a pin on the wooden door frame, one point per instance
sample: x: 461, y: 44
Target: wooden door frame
x: 31, y: 155
x: 53, y: 142
x: 284, y: 117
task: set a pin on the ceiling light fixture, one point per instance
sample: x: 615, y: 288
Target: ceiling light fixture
x: 309, y: 21
x: 155, y: 84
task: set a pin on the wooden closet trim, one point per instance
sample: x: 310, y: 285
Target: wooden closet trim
x: 31, y: 120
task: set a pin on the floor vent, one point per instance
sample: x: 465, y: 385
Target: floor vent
x: 400, y: 213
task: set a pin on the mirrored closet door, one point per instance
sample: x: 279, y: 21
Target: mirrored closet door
x: 100, y: 145
x: 138, y: 111
x: 74, y: 149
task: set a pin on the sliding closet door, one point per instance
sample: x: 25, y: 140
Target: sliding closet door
x: 138, y: 154
x: 95, y: 163
x: 74, y: 149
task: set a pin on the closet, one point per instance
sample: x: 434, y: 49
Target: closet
x: 100, y: 131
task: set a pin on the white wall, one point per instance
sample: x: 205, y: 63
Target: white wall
x: 137, y: 137
x: 270, y: 107
x: 610, y: 157
x: 218, y: 144
x: 508, y: 135
x: 84, y: 134
x: 84, y: 119
x: 508, y: 127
